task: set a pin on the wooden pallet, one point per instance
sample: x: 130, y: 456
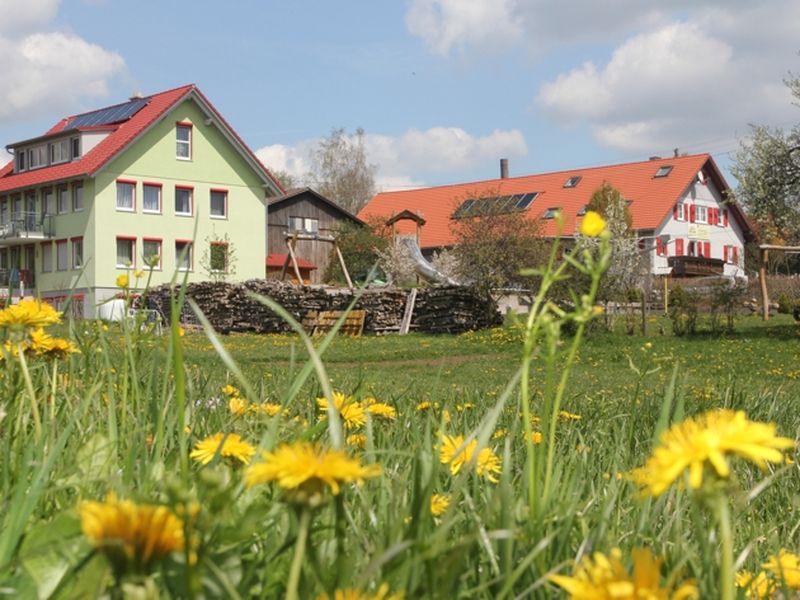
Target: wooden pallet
x: 319, y: 323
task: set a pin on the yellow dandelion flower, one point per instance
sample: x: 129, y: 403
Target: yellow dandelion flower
x: 237, y: 406
x: 755, y: 586
x: 786, y: 568
x: 357, y: 440
x: 268, y: 408
x: 354, y: 594
x: 592, y: 224
x: 536, y: 437
x: 465, y: 406
x: 568, y: 416
x: 499, y: 434
x: 306, y: 469
x: 446, y: 416
x: 230, y: 390
x: 487, y: 463
x: 123, y: 281
x: 424, y: 405
x: 602, y: 577
x: 439, y: 504
x: 707, y: 440
x: 233, y: 448
x: 132, y: 536
x: 379, y: 409
x: 352, y: 412
x: 47, y: 345
x: 138, y: 274
x: 29, y: 313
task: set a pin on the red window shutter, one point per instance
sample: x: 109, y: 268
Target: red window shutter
x: 725, y: 217
x: 725, y: 253
x: 714, y: 216
x: 659, y: 246
x: 675, y: 212
x: 691, y: 213
x: 679, y: 247
x: 735, y: 255
x: 707, y: 249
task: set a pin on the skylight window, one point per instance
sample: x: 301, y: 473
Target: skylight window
x: 551, y: 213
x: 494, y: 205
x: 572, y: 181
x: 663, y: 171
x: 525, y: 200
x: 583, y: 210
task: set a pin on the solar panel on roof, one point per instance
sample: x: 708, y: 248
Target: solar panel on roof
x: 525, y: 200
x: 109, y: 115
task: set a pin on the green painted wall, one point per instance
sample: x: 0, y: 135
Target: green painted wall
x: 214, y: 164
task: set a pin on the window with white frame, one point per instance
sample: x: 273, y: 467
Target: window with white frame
x: 304, y: 224
x: 126, y: 195
x: 47, y: 257
x: 701, y: 214
x: 183, y: 141
x: 37, y: 156
x: 680, y: 211
x: 126, y: 248
x: 49, y: 202
x: 62, y: 258
x: 151, y: 198
x: 20, y: 156
x: 77, y: 197
x: 59, y: 151
x: 219, y: 204
x: 183, y: 201
x: 63, y: 200
x: 77, y: 253
x: 183, y: 255
x: 151, y: 253
x: 75, y: 143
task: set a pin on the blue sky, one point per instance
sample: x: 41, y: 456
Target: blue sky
x: 442, y: 88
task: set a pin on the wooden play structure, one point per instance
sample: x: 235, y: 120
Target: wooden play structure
x: 763, y: 251
x: 291, y: 256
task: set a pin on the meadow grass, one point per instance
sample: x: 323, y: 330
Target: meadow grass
x: 123, y: 415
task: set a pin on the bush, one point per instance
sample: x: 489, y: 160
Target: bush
x: 683, y: 307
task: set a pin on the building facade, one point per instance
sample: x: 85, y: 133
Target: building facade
x: 158, y: 185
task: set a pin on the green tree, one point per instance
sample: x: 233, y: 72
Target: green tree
x: 767, y: 169
x: 608, y: 201
x: 493, y: 247
x: 340, y: 170
x: 219, y: 257
x: 361, y: 247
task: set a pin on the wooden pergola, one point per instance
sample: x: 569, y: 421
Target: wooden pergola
x: 764, y: 250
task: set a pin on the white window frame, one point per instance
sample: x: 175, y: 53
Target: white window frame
x: 62, y: 200
x: 183, y: 144
x: 189, y: 258
x: 77, y: 194
x: 145, y: 209
x: 224, y: 194
x: 131, y: 242
x: 77, y: 253
x: 62, y: 257
x: 190, y: 191
x: 47, y: 258
x: 132, y: 186
x: 160, y: 254
x: 37, y: 156
x: 59, y: 152
x: 303, y: 224
x: 681, y: 212
x: 701, y: 214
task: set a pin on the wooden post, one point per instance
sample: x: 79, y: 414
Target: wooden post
x: 343, y: 265
x: 762, y: 276
x: 666, y: 297
x: 294, y: 261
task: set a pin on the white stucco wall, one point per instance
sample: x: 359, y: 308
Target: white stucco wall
x: 702, y: 194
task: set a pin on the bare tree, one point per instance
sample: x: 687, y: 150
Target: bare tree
x: 340, y: 170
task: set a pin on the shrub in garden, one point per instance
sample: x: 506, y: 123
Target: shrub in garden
x: 683, y: 308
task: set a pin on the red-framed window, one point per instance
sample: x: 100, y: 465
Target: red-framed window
x: 77, y: 196
x: 184, y: 255
x: 218, y: 203
x: 184, y: 200
x: 126, y: 251
x: 77, y: 252
x: 126, y: 195
x: 151, y: 197
x: 151, y: 252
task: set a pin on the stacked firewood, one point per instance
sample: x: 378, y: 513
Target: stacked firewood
x: 233, y: 308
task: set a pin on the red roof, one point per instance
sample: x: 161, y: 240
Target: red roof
x: 652, y: 197
x: 277, y: 260
x: 121, y: 135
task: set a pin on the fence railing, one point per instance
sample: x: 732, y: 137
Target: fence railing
x: 28, y: 224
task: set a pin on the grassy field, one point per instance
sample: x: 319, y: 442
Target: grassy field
x: 548, y: 482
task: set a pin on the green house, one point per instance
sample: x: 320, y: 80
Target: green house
x: 157, y: 184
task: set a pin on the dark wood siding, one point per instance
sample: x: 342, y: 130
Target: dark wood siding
x: 307, y: 206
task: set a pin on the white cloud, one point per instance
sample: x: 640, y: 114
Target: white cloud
x: 446, y: 24
x: 48, y: 72
x: 404, y: 161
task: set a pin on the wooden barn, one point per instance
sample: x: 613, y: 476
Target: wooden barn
x: 310, y: 215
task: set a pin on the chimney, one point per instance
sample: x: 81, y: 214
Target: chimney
x: 655, y: 158
x: 503, y: 168
x: 676, y: 152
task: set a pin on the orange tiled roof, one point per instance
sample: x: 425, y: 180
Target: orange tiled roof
x: 652, y: 197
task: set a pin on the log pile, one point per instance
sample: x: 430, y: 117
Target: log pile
x: 229, y: 307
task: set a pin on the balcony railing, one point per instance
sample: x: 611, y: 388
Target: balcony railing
x: 27, y: 225
x: 695, y: 266
x: 13, y: 277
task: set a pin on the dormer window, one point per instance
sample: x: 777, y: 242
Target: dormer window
x: 572, y: 181
x: 663, y: 171
x: 20, y: 155
x: 76, y: 147
x: 37, y: 157
x: 59, y: 152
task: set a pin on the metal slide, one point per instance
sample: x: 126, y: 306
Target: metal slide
x: 424, y: 268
